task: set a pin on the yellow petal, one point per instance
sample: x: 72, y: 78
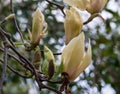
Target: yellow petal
x: 37, y: 26
x: 29, y: 34
x: 81, y: 4
x: 73, y: 24
x: 73, y: 53
x: 95, y: 6
x: 83, y: 64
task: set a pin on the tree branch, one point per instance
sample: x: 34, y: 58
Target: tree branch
x: 26, y: 61
x: 7, y: 35
x: 59, y: 53
x: 52, y: 89
x: 4, y: 66
x: 15, y: 22
x: 15, y: 58
x: 17, y: 72
x: 58, y: 5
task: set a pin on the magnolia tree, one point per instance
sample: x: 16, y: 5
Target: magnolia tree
x: 43, y: 67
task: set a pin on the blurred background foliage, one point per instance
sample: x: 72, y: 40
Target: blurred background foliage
x: 101, y: 77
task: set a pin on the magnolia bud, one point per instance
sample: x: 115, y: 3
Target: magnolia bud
x: 10, y: 16
x: 74, y: 58
x: 73, y: 24
x: 81, y: 4
x: 95, y: 6
x: 37, y: 27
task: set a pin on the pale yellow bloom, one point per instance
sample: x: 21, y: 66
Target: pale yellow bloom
x: 74, y: 57
x: 81, y: 4
x: 73, y: 24
x: 92, y: 6
x: 95, y: 6
x: 37, y: 27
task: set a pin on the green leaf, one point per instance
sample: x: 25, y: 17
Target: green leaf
x: 59, y: 69
x: 44, y: 67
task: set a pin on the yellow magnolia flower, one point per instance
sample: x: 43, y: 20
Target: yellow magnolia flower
x: 37, y: 27
x: 81, y: 4
x: 74, y: 58
x: 92, y: 6
x: 95, y: 6
x: 73, y: 24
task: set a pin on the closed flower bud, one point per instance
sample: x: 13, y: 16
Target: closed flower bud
x: 73, y: 24
x: 81, y: 4
x: 95, y: 6
x: 92, y: 6
x: 74, y: 57
x: 10, y: 16
x: 37, y: 27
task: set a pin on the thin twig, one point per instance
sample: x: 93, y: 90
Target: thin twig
x: 30, y: 65
x: 23, y: 59
x: 3, y: 37
x: 17, y: 72
x: 59, y: 53
x: 58, y: 5
x: 8, y: 36
x: 15, y: 58
x: 92, y: 17
x: 3, y: 21
x: 101, y: 18
x: 4, y: 67
x: 2, y: 34
x: 50, y: 88
x: 15, y: 22
x: 53, y: 82
x: 56, y: 82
